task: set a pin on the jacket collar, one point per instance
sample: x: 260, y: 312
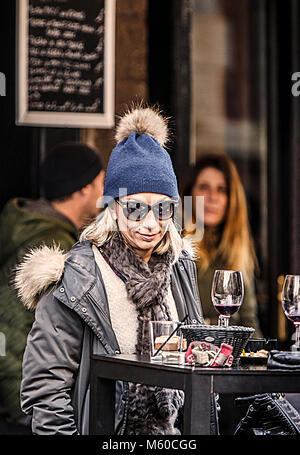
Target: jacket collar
x: 79, y: 274
x: 74, y: 273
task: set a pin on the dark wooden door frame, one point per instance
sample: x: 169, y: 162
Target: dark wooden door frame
x: 283, y: 147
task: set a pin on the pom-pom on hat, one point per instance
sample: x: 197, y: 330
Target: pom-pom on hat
x: 69, y: 167
x: 139, y: 163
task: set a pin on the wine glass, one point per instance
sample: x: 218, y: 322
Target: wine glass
x: 291, y: 303
x: 227, y: 294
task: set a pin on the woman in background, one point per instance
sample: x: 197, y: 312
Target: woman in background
x: 226, y: 242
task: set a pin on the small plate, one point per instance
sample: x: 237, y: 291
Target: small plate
x: 253, y: 360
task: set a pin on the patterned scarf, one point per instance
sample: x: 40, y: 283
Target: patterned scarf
x: 146, y: 284
x: 152, y: 410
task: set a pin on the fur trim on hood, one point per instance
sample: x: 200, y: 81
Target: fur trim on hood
x: 44, y: 266
x: 39, y: 268
x: 189, y: 247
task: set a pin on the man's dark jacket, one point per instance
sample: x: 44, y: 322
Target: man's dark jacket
x: 24, y: 224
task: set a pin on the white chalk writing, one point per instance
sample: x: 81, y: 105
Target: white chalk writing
x: 65, y: 58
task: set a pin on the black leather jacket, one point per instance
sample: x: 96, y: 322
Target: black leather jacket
x: 72, y: 320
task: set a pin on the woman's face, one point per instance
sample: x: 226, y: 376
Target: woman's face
x: 211, y: 184
x: 142, y: 235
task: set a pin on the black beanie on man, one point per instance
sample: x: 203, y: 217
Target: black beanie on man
x: 68, y: 168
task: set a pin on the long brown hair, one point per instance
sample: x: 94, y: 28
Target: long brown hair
x: 235, y: 244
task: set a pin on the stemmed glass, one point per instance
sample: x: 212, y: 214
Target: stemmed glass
x: 291, y: 303
x: 227, y: 294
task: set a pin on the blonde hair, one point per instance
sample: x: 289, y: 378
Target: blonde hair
x: 104, y: 227
x: 235, y: 248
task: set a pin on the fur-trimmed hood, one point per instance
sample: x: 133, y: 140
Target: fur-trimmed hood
x: 40, y: 268
x: 44, y: 266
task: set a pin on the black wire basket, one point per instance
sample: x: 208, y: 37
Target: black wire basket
x: 236, y: 336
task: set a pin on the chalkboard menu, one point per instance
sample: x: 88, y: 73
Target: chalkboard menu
x: 66, y: 63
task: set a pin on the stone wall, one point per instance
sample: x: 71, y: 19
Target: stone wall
x: 130, y: 71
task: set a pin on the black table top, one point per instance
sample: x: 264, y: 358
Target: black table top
x: 243, y: 369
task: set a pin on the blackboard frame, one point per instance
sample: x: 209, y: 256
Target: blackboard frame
x: 65, y: 119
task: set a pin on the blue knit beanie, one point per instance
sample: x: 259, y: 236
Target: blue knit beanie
x: 139, y: 163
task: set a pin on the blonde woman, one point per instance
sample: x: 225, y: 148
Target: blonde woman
x: 129, y: 267
x: 226, y: 241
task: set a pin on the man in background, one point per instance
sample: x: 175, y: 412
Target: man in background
x: 72, y: 181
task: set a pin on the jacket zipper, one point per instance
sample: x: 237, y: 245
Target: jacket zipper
x: 105, y: 315
x: 92, y: 300
x: 287, y: 416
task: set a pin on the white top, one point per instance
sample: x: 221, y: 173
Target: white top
x: 122, y: 310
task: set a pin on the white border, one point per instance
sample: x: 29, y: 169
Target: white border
x: 62, y: 119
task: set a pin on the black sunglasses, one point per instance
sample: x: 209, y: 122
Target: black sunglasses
x: 137, y: 211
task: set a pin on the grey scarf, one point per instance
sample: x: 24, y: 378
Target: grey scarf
x: 152, y: 410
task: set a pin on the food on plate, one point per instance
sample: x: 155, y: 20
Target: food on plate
x: 260, y: 353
